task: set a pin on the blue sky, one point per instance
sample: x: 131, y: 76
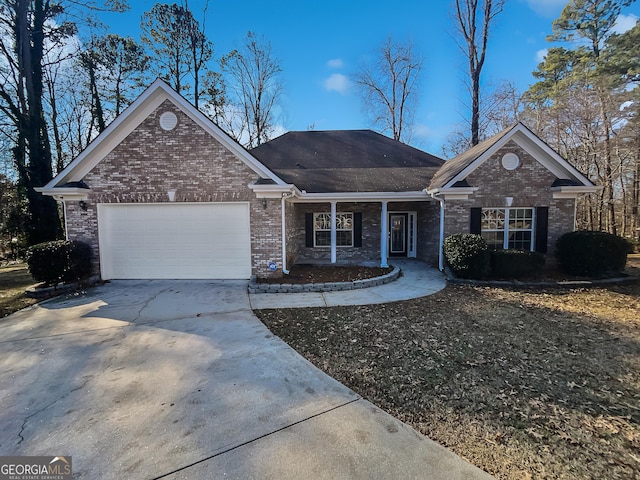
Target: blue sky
x: 320, y: 44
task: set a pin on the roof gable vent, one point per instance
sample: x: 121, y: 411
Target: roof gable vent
x: 168, y: 121
x: 510, y: 161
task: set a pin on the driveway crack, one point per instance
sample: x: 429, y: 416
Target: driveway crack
x: 39, y: 411
x: 148, y: 302
x: 27, y: 418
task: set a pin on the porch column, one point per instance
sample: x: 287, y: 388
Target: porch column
x: 384, y: 235
x: 333, y: 232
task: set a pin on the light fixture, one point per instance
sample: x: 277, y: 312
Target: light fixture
x: 83, y: 205
x: 172, y: 195
x: 264, y: 203
x: 508, y: 201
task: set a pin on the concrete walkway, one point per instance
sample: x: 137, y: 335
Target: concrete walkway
x: 417, y: 280
x: 179, y: 380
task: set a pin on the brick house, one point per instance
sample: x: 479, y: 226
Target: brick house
x: 165, y: 193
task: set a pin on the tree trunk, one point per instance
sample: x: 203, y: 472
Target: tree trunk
x: 475, y: 106
x: 44, y: 218
x: 635, y: 208
x: 608, y: 194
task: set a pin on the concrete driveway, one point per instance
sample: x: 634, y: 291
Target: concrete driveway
x: 165, y: 379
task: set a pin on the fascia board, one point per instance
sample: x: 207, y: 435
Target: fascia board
x: 65, y: 193
x: 273, y: 191
x: 478, y: 161
x: 305, y: 197
x: 524, y: 138
x: 456, y: 193
x: 117, y: 131
x: 132, y: 117
x: 555, y: 163
x: 571, y: 191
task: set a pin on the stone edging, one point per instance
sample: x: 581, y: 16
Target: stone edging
x: 255, y: 287
x: 59, y: 289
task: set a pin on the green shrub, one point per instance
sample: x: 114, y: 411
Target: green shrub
x: 59, y: 261
x: 467, y: 255
x: 591, y: 253
x: 515, y: 263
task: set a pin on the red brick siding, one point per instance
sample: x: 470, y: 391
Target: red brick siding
x: 529, y: 185
x: 151, y: 161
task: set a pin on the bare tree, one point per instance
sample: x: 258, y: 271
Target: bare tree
x: 500, y: 110
x: 473, y: 22
x: 254, y: 89
x: 28, y: 28
x: 388, y: 88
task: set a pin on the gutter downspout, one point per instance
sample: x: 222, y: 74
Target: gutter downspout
x: 441, y: 239
x: 284, y: 235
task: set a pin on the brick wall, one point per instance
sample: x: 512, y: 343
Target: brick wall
x: 529, y: 185
x: 151, y: 161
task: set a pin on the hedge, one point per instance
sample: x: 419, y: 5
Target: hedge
x: 515, y: 263
x: 467, y: 255
x: 592, y: 253
x: 59, y: 261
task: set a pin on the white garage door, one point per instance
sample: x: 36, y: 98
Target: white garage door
x: 175, y: 240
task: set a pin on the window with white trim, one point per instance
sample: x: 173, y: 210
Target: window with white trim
x: 322, y: 229
x: 508, y: 228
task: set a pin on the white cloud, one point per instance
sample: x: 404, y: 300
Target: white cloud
x: 422, y: 131
x: 547, y: 8
x: 625, y: 23
x: 540, y: 54
x: 278, y: 130
x: 335, y: 63
x: 337, y: 82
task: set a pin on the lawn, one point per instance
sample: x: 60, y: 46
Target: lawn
x: 525, y: 384
x: 13, y: 281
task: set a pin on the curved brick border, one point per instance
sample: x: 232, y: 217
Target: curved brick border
x: 255, y: 287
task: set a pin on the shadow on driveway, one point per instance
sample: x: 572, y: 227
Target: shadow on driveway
x: 139, y: 379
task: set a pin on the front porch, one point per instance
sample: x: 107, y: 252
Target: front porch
x: 366, y: 233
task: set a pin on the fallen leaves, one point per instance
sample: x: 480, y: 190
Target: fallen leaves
x: 524, y: 384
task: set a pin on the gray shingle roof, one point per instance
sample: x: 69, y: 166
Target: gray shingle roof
x: 347, y: 161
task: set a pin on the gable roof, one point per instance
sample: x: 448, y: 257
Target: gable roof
x: 157, y: 93
x: 347, y: 161
x: 458, y: 168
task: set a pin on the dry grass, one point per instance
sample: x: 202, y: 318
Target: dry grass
x: 13, y: 281
x: 524, y: 384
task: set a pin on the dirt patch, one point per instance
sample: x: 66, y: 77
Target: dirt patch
x: 540, y: 384
x: 300, y: 274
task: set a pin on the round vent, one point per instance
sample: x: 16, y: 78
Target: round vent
x: 510, y: 161
x: 168, y: 121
